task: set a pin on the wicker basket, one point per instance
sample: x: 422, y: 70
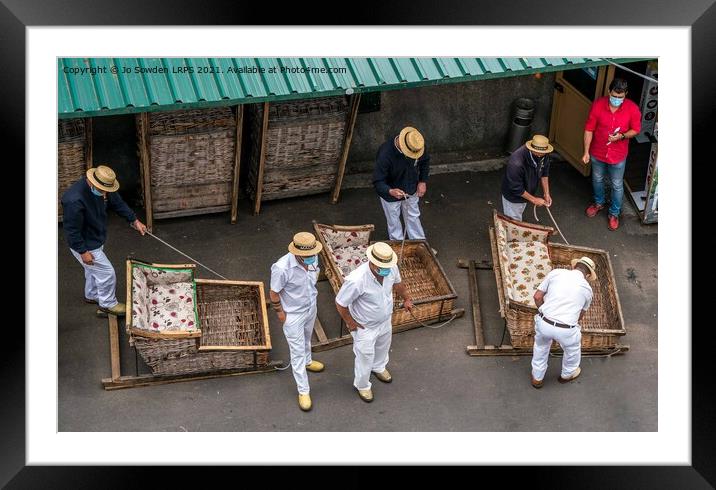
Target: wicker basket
x: 73, y: 154
x: 432, y: 293
x: 303, y: 147
x: 234, y: 331
x: 192, y: 159
x: 601, y: 325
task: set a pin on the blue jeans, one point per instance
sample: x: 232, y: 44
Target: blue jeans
x: 615, y: 174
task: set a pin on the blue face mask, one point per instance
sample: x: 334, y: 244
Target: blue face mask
x: 615, y: 101
x: 383, y: 272
x: 96, y: 192
x: 310, y: 260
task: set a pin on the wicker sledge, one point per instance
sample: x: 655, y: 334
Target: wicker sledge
x: 188, y: 161
x: 185, y: 326
x: 432, y: 293
x: 522, y: 256
x: 74, y: 154
x: 296, y: 149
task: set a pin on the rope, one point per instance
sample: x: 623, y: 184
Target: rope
x: 534, y: 209
x: 654, y: 80
x: 185, y: 255
x: 615, y: 351
x: 431, y: 326
x: 405, y: 230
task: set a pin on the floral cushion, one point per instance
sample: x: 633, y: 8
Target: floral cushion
x: 163, y: 300
x: 349, y: 258
x: 528, y: 264
x: 339, y: 239
x: 524, y: 259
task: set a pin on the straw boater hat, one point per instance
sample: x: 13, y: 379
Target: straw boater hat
x: 304, y: 244
x: 540, y: 144
x: 590, y: 265
x: 103, y: 178
x: 411, y: 142
x: 382, y: 255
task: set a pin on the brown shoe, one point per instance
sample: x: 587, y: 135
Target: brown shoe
x: 572, y: 377
x: 537, y: 384
x: 594, y: 209
x: 91, y: 301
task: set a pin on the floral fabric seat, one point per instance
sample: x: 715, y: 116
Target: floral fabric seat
x: 346, y: 247
x: 524, y: 258
x: 163, y: 300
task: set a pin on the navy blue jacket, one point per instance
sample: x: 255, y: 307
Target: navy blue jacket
x: 523, y: 173
x: 393, y: 170
x: 84, y: 216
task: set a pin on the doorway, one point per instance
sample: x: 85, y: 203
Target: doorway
x: 574, y: 92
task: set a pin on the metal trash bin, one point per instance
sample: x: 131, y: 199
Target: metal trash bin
x: 522, y: 116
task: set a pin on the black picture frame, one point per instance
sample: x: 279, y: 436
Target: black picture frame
x: 16, y: 15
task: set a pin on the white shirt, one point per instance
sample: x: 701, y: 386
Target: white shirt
x: 369, y: 302
x: 295, y: 285
x: 567, y: 293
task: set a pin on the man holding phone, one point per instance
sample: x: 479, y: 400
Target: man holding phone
x: 612, y: 121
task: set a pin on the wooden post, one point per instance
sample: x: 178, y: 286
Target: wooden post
x: 262, y: 160
x: 146, y: 170
x: 355, y: 102
x: 475, y: 301
x: 237, y: 163
x: 114, y: 347
x: 318, y: 330
x: 88, y: 142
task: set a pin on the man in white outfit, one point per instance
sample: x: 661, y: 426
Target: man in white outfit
x: 562, y: 299
x: 293, y: 296
x: 400, y: 179
x: 365, y: 302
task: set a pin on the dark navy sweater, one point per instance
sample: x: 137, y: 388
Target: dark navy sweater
x: 84, y: 216
x: 393, y: 170
x: 523, y: 173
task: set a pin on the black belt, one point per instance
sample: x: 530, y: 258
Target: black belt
x: 556, y: 324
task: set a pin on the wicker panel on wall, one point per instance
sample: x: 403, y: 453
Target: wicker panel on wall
x: 303, y: 147
x: 192, y: 158
x: 72, y: 155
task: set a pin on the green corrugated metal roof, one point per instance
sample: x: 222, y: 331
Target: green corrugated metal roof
x: 90, y: 86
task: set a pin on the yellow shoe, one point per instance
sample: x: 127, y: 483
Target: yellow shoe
x: 365, y: 395
x: 385, y: 376
x: 315, y: 367
x: 304, y: 401
x: 119, y: 309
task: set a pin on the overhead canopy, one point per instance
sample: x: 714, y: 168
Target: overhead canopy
x: 90, y: 87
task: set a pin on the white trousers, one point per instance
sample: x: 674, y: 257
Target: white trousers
x: 411, y: 216
x: 298, y: 329
x: 569, y: 338
x: 371, y: 347
x: 100, y: 279
x: 513, y: 210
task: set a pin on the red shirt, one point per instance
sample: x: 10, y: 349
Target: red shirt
x: 603, y: 122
